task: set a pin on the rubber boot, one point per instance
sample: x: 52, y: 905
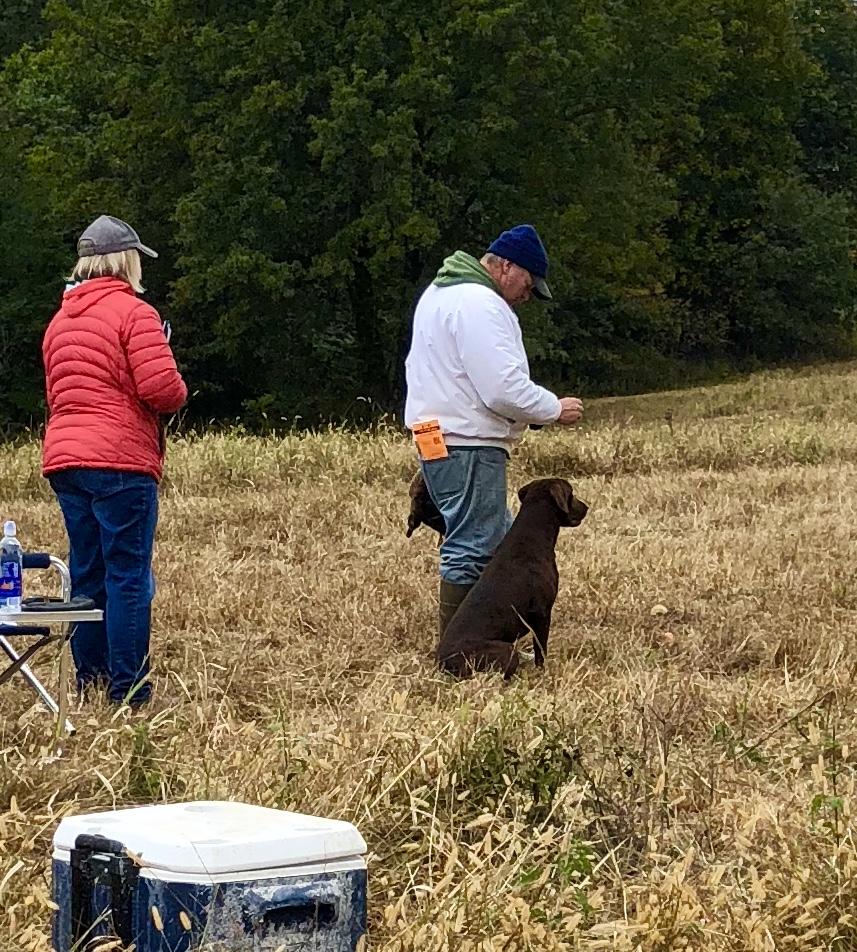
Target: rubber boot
x: 450, y: 597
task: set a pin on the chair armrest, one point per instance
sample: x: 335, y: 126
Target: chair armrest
x: 29, y: 630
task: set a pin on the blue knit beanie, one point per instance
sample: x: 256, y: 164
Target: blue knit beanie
x: 522, y: 246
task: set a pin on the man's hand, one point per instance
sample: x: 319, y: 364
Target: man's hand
x: 572, y: 411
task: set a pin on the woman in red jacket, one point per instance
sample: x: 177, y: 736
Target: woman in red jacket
x: 110, y: 373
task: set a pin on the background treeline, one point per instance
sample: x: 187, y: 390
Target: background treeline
x: 303, y: 167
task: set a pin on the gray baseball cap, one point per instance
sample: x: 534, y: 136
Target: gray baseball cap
x: 108, y: 234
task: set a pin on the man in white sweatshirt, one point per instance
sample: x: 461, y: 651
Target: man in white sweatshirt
x: 470, y: 397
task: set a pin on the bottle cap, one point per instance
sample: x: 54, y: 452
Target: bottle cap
x: 9, y: 528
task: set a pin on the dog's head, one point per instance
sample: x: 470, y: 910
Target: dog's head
x: 423, y: 510
x: 560, y: 494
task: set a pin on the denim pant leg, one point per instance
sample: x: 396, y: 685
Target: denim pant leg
x: 469, y: 489
x: 128, y: 514
x: 86, y: 566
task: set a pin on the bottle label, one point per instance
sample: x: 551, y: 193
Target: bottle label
x: 10, y: 580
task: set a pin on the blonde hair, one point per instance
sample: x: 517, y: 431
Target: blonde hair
x: 119, y: 264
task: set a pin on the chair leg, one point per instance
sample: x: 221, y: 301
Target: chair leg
x: 19, y: 661
x: 62, y: 707
x: 34, y: 682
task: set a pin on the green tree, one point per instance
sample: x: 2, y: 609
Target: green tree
x: 745, y: 164
x: 400, y: 133
x: 791, y: 278
x: 827, y: 125
x: 82, y: 136
x: 303, y: 169
x: 20, y: 23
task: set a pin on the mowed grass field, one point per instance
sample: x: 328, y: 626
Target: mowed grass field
x: 681, y: 776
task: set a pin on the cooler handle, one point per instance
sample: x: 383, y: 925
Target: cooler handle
x: 321, y: 912
x: 94, y: 856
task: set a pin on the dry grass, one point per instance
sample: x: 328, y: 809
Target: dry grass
x: 680, y: 777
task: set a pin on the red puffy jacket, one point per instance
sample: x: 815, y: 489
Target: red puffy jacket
x: 109, y: 373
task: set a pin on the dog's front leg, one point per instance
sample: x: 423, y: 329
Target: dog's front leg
x: 540, y: 625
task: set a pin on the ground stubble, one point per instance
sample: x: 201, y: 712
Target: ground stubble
x: 680, y: 777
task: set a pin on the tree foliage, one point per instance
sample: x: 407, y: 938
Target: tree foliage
x: 303, y: 168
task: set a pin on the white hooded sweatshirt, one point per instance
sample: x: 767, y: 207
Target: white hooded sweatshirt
x: 467, y: 368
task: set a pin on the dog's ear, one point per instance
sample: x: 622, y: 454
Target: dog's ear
x: 563, y: 496
x: 522, y: 492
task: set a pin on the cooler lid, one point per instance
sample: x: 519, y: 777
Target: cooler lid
x: 210, y: 836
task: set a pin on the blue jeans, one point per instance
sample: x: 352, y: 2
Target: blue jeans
x: 110, y: 519
x: 469, y: 489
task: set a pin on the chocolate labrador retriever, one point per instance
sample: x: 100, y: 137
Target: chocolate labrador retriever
x: 517, y: 590
x: 423, y: 510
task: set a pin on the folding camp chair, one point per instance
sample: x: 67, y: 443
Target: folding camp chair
x: 37, y: 621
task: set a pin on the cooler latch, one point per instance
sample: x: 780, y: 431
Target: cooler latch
x: 96, y: 860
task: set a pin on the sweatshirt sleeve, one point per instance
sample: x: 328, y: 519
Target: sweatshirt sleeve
x: 153, y: 368
x: 492, y: 355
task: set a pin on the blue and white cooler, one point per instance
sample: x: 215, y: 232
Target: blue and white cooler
x: 209, y: 875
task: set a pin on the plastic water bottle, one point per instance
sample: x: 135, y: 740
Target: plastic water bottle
x: 11, y: 569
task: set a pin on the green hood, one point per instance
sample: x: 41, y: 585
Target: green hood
x: 462, y: 268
